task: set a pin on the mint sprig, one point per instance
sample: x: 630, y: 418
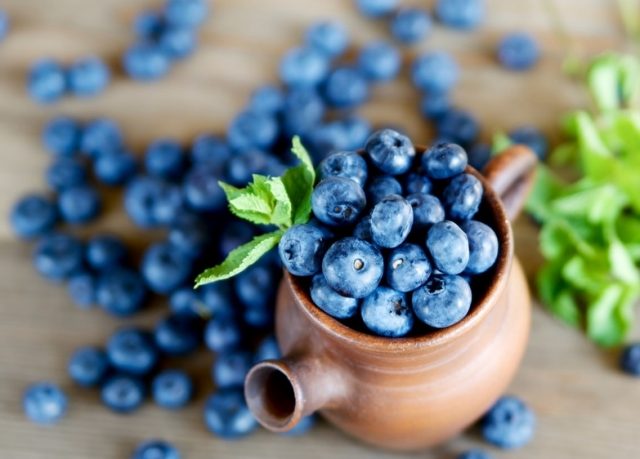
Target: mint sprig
x: 279, y: 201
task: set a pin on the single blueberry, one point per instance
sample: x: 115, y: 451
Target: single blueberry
x: 256, y: 286
x: 216, y: 299
x: 189, y: 235
x: 345, y: 87
x: 100, y: 136
x: 156, y: 449
x: 57, y: 256
x: 61, y: 136
x: 448, y: 246
x: 172, y: 389
x: 46, y: 82
x: 304, y: 109
x: 337, y: 201
x: 177, y: 334
x: 434, y: 105
x: 460, y: 14
x: 260, y: 318
x: 114, y: 167
x: 145, y: 62
x: 381, y: 187
x: 222, y: 334
x: 443, y: 301
x: 65, y: 173
x: 122, y: 393
x: 376, y: 8
x: 121, y: 292
x: 209, y: 149
x: 148, y: 25
x: 44, y: 403
x: 390, y: 151
x: 230, y: 368
x: 355, y: 129
x: 226, y: 414
x: 462, y: 197
x: 330, y: 301
x: 479, y: 155
x: 630, y: 359
x: 143, y: 200
x: 348, y: 164
x: 474, y: 454
x: 267, y: 99
x: 348, y: 133
x: 201, y: 190
x: 185, y: 301
x: 509, y: 424
x: 88, y: 77
x: 252, y: 130
x: 164, y: 269
x: 4, y: 25
x: 302, y: 427
x: 33, y: 216
x: 444, y: 160
x: 533, y: 138
x: 427, y: 210
x: 407, y: 268
x: 88, y: 366
x: 458, y: 126
x: 416, y: 182
x: 483, y: 246
x: 434, y: 72
x: 301, y: 249
x: 518, y: 51
x: 240, y: 168
x: 105, y: 251
x: 177, y: 42
x: 82, y: 289
x: 186, y: 13
x: 391, y: 221
x: 164, y: 159
x: 353, y: 267
x: 268, y: 349
x: 386, y: 313
x: 132, y: 351
x: 362, y: 230
x: 410, y: 25
x: 303, y: 67
x: 379, y: 61
x: 79, y: 204
x: 328, y: 37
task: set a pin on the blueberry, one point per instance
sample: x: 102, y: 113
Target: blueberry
x: 353, y: 267
x: 434, y: 72
x: 301, y: 249
x: 483, y: 246
x: 186, y: 13
x: 328, y: 37
x: 479, y: 155
x: 391, y: 221
x: 458, y: 126
x: 177, y: 334
x: 268, y: 349
x: 164, y: 159
x: 379, y: 61
x: 236, y: 233
x: 348, y: 164
x: 82, y: 289
x: 416, y: 182
x: 462, y: 197
x: 444, y: 160
x: 57, y: 256
x: 222, y: 334
x: 346, y: 87
x: 518, y: 51
x: 427, y: 210
x: 252, y: 130
x: 189, y: 235
x: 407, y: 268
x: 114, y: 167
x: 337, y: 201
x: 474, y: 454
x: 105, y: 251
x: 177, y: 42
x: 230, y: 368
x: 256, y: 286
x: 302, y: 427
x: 460, y: 14
x: 172, y: 389
x: 448, y: 246
x: 381, y: 187
x: 143, y: 201
x: 132, y: 351
x: 44, y: 403
x: 630, y: 359
x: 4, y: 25
x: 65, y: 173
x: 201, y: 190
x: 343, y: 134
x: 88, y: 77
x: 303, y: 111
x: 121, y: 291
x: 216, y: 298
x: 355, y: 130
x: 33, y: 216
x: 410, y: 25
x: 303, y: 67
x: 267, y: 99
x: 100, y: 136
x: 46, y: 82
x: 79, y: 204
x: 443, y: 301
x: 165, y: 269
x: 259, y: 318
x: 122, y: 393
x: 376, y: 8
x: 390, y: 151
x: 145, y: 62
x: 185, y: 301
x: 362, y: 230
x: 386, y: 313
x: 209, y: 149
x: 226, y: 414
x: 88, y: 366
x: 532, y: 138
x: 156, y: 449
x: 330, y: 301
x: 148, y: 25
x: 239, y: 169
x: 509, y: 424
x: 434, y: 105
x: 61, y: 136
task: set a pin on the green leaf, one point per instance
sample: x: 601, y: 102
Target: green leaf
x: 589, y: 275
x: 596, y: 204
x: 546, y: 187
x: 595, y: 158
x: 499, y: 143
x: 251, y: 203
x: 282, y: 209
x: 298, y: 182
x: 605, y: 323
x: 603, y: 80
x: 240, y: 258
x: 303, y: 155
x: 565, y: 307
x: 622, y: 265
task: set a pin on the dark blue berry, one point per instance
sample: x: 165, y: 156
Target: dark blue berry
x: 227, y: 416
x: 222, y: 334
x: 518, y: 51
x: 267, y: 99
x: 88, y: 366
x: 381, y: 187
x: 474, y: 454
x: 256, y: 286
x: 164, y: 159
x: 483, y: 246
x: 201, y: 190
x: 122, y: 393
x: 391, y: 221
x: 353, y: 267
x: 177, y: 334
x: 407, y: 268
x: 328, y: 37
x: 209, y: 149
x: 337, y: 201
x: 88, y: 77
x: 303, y: 67
x: 479, y: 155
x: 630, y: 359
x: 100, y: 136
x: 348, y: 164
x: 343, y: 134
x: 164, y: 269
x: 132, y: 351
x: 362, y: 230
x: 4, y: 25
x: 33, y: 216
x: 217, y: 300
x: 186, y: 13
x: 239, y: 169
x: 386, y: 313
x: 65, y: 173
x: 185, y: 301
x: 177, y: 42
x: 376, y: 8
x: 410, y: 25
x: 434, y: 105
x: 304, y: 109
x: 268, y: 349
x: 448, y: 247
x: 46, y: 82
x: 189, y: 235
x: 79, y: 204
x: 82, y: 289
x: 44, y: 403
x: 443, y: 301
x: 532, y: 138
x: 458, y: 126
x: 330, y: 301
x: 416, y: 182
x: 509, y: 424
x: 301, y: 249
x: 150, y: 201
x: 172, y: 389
x: 462, y: 197
x: 230, y: 368
x: 57, y: 256
x: 460, y: 14
x: 114, y: 167
x: 148, y: 25
x: 156, y: 449
x: 444, y: 160
x: 379, y: 61
x: 61, y: 136
x: 390, y: 151
x: 434, y: 72
x: 105, y: 252
x: 121, y: 291
x: 427, y: 210
x: 251, y: 129
x: 145, y: 62
x: 346, y: 87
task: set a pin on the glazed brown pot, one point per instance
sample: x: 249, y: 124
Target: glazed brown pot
x: 413, y: 392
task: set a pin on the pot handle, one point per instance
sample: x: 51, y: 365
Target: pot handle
x: 511, y: 174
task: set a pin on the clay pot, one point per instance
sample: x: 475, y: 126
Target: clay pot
x: 412, y: 392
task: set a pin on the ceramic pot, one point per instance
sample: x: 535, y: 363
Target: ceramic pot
x: 413, y: 392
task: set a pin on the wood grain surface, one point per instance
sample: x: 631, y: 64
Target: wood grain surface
x: 586, y: 409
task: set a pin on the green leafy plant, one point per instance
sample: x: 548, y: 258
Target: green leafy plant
x: 275, y: 201
x: 590, y: 233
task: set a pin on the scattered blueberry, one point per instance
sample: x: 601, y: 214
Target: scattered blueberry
x: 509, y: 424
x: 201, y: 190
x: 172, y: 389
x: 301, y: 249
x: 443, y: 301
x: 448, y: 247
x: 474, y: 454
x: 256, y: 286
x: 79, y: 204
x: 230, y: 368
x: 268, y: 349
x: 460, y: 14
x: 444, y: 160
x: 4, y: 25
x: 88, y: 77
x: 386, y: 313
x: 121, y: 292
x: 222, y: 334
x: 458, y: 126
x: 100, y: 136
x: 145, y: 62
x: 156, y: 449
x: 132, y: 351
x: 226, y: 414
x: 532, y: 138
x: 410, y: 25
x: 328, y: 37
x: 391, y: 221
x: 114, y: 167
x: 303, y: 67
x: 381, y: 187
x: 330, y: 301
x: 65, y: 173
x: 407, y: 268
x: 251, y: 129
x: 165, y: 269
x: 348, y: 164
x: 44, y: 403
x: 216, y: 298
x: 390, y: 151
x: 267, y: 99
x: 57, y: 256
x: 33, y: 216
x: 61, y: 136
x: 122, y: 393
x: 353, y: 267
x: 379, y: 61
x: 46, y: 82
x: 630, y: 359
x: 427, y: 210
x: 518, y: 51
x: 483, y: 246
x: 376, y: 8
x: 88, y: 366
x: 164, y: 159
x: 434, y: 72
x: 462, y: 197
x: 148, y: 25
x: 209, y: 149
x: 435, y: 104
x: 189, y: 235
x: 186, y: 13
x: 346, y: 87
x: 303, y: 110
x: 82, y: 289
x: 185, y: 301
x: 337, y: 201
x: 177, y: 42
x: 105, y: 251
x: 177, y: 334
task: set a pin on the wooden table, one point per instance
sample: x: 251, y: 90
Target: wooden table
x: 586, y: 408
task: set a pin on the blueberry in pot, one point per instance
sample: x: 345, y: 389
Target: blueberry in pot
x: 390, y: 151
x: 417, y: 183
x: 448, y: 246
x: 330, y: 301
x: 462, y: 197
x: 362, y: 230
x: 483, y: 246
x: 381, y: 187
x: 348, y: 164
x: 444, y: 160
x: 407, y: 268
x: 443, y: 301
x: 353, y: 267
x: 427, y: 210
x: 337, y: 201
x: 301, y: 249
x: 387, y: 313
x: 391, y: 221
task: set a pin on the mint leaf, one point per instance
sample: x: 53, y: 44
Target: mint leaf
x: 565, y: 306
x: 303, y: 155
x: 240, y: 258
x: 249, y: 203
x: 546, y: 187
x: 298, y: 182
x: 282, y: 209
x: 499, y: 143
x: 604, y: 325
x: 603, y: 81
